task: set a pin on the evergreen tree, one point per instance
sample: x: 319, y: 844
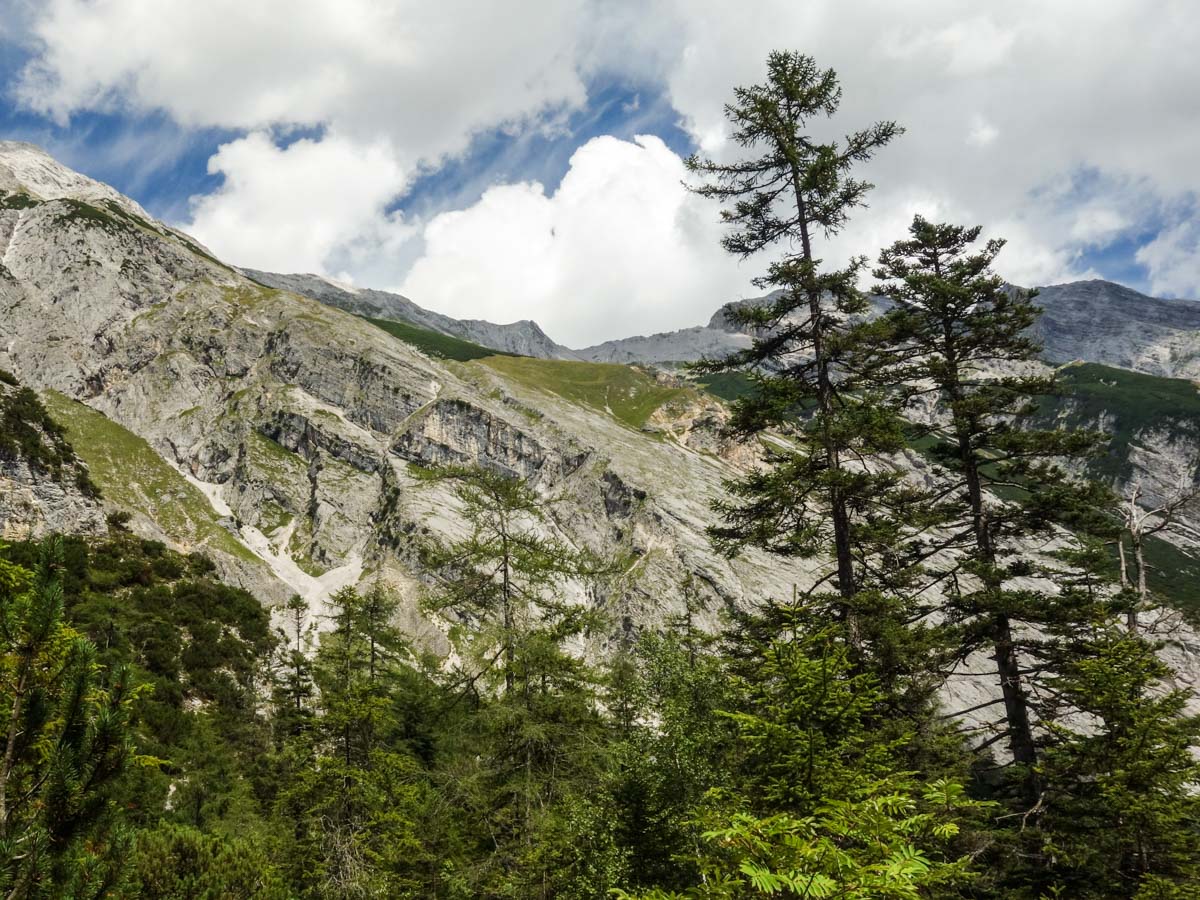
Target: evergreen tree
x: 532, y: 748
x: 292, y: 679
x: 354, y: 788
x: 967, y: 337
x: 813, y: 356
x: 64, y: 727
x: 815, y: 803
x: 1121, y: 806
x: 671, y: 746
x: 174, y: 862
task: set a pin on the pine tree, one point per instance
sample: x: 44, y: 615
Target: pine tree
x: 812, y: 357
x: 815, y: 802
x: 292, y: 677
x: 968, y: 346
x: 1117, y: 761
x: 532, y: 748
x: 173, y: 862
x: 354, y: 787
x: 671, y: 746
x: 64, y: 727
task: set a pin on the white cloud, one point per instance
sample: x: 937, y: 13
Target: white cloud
x: 1031, y: 88
x: 1173, y: 260
x: 620, y: 248
x: 1040, y: 77
x: 294, y: 209
x: 982, y: 131
x: 425, y: 75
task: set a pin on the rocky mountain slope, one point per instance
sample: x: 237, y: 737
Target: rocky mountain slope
x: 227, y: 413
x: 1102, y: 322
x: 224, y: 411
x: 276, y: 433
x: 44, y: 486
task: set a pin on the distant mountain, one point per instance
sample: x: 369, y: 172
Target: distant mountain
x: 1102, y: 322
x: 525, y: 337
x: 1089, y: 321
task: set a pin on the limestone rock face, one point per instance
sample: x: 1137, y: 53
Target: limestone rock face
x: 284, y: 428
x: 1102, y: 322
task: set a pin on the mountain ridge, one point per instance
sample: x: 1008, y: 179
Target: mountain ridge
x: 1092, y: 320
x: 275, y: 432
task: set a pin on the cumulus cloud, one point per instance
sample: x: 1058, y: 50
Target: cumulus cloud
x: 1033, y: 88
x: 298, y: 208
x: 427, y: 76
x: 1063, y: 127
x: 620, y: 248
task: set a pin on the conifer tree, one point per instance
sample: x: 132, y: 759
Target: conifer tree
x: 1121, y: 775
x: 812, y: 355
x: 968, y: 346
x: 672, y: 745
x: 502, y: 582
x: 815, y: 802
x: 292, y: 677
x: 64, y: 742
x: 532, y: 750
x: 355, y: 787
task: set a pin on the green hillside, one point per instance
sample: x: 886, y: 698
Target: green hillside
x: 135, y: 478
x: 442, y: 346
x: 1126, y: 403
x: 630, y: 394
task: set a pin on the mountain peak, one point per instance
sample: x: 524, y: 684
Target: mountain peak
x: 28, y: 169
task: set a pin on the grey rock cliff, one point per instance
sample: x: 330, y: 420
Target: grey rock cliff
x: 37, y: 499
x: 286, y: 426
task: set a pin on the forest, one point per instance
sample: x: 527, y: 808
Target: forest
x: 165, y: 735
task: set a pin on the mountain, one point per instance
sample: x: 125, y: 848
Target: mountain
x: 276, y: 433
x: 524, y: 338
x: 1102, y: 322
x: 44, y: 486
x: 1092, y: 321
x: 262, y: 419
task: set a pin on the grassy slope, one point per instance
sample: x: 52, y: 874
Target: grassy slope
x: 135, y: 478
x: 729, y: 386
x: 630, y: 394
x: 432, y: 343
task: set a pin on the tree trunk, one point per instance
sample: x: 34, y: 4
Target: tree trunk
x: 838, y: 513
x: 1016, y: 703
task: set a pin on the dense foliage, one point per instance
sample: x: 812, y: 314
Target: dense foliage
x: 28, y: 433
x: 163, y: 735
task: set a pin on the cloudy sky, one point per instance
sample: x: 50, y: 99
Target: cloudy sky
x: 524, y: 159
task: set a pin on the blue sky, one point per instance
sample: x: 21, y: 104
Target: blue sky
x: 402, y: 145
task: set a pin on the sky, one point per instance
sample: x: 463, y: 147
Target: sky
x: 525, y: 159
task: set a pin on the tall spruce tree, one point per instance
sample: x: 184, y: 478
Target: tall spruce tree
x: 1120, y: 772
x: 532, y: 751
x: 968, y: 346
x: 813, y: 355
x: 354, y: 786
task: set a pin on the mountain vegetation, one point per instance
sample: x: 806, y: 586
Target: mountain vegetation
x: 166, y: 735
